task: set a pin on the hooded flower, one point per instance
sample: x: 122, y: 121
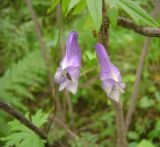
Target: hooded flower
x: 111, y: 79
x: 68, y: 73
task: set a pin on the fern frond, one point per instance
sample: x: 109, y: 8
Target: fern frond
x: 21, y: 136
x: 28, y: 72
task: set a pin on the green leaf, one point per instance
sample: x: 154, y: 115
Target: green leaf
x: 146, y: 102
x: 72, y: 4
x: 95, y: 10
x: 81, y: 5
x: 89, y: 24
x: 21, y: 136
x: 53, y: 5
x: 65, y: 4
x: 133, y: 135
x: 145, y: 143
x: 137, y: 13
x: 112, y: 11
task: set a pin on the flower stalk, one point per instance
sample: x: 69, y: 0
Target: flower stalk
x: 103, y: 38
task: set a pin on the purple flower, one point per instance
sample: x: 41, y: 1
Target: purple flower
x: 68, y: 73
x: 111, y: 79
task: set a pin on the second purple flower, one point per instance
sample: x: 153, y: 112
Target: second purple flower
x: 111, y: 79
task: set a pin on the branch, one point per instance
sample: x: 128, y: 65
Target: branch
x: 146, y: 31
x: 13, y: 112
x: 103, y: 35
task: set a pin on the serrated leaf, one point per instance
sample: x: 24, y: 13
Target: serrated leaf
x: 23, y: 136
x: 40, y: 118
x: 95, y: 10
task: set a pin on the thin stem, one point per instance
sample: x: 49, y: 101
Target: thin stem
x: 136, y: 84
x: 70, y: 107
x: 139, y: 71
x: 13, y: 112
x: 120, y: 125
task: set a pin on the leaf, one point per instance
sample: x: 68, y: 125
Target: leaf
x: 30, y: 72
x: 146, y: 103
x: 145, y: 143
x: 95, y: 10
x: 133, y: 135
x: 65, y: 4
x: 39, y: 118
x: 112, y: 11
x: 137, y: 13
x: 72, y: 4
x: 88, y: 24
x: 53, y: 5
x: 21, y: 136
x: 79, y: 7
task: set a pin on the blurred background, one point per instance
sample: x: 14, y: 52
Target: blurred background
x: 24, y: 81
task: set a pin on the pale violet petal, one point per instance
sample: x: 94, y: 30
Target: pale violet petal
x: 57, y: 76
x: 108, y: 85
x: 114, y: 95
x: 74, y: 72
x: 72, y: 87
x: 63, y: 85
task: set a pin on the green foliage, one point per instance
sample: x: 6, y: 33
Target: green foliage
x: 95, y: 10
x: 28, y: 73
x: 53, y: 5
x: 146, y: 102
x: 112, y: 11
x: 21, y: 136
x: 72, y: 4
x: 94, y: 117
x: 145, y: 143
x: 86, y: 139
x: 137, y: 13
x: 81, y: 5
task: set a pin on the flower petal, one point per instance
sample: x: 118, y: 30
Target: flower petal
x: 110, y: 75
x: 57, y: 76
x: 72, y: 87
x: 74, y: 72
x: 63, y: 85
x: 73, y: 53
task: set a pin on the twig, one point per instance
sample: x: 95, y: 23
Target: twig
x: 13, y: 112
x: 72, y: 134
x: 70, y: 107
x: 132, y: 105
x: 103, y: 37
x: 89, y: 82
x: 139, y: 72
x: 146, y: 31
x: 37, y: 28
